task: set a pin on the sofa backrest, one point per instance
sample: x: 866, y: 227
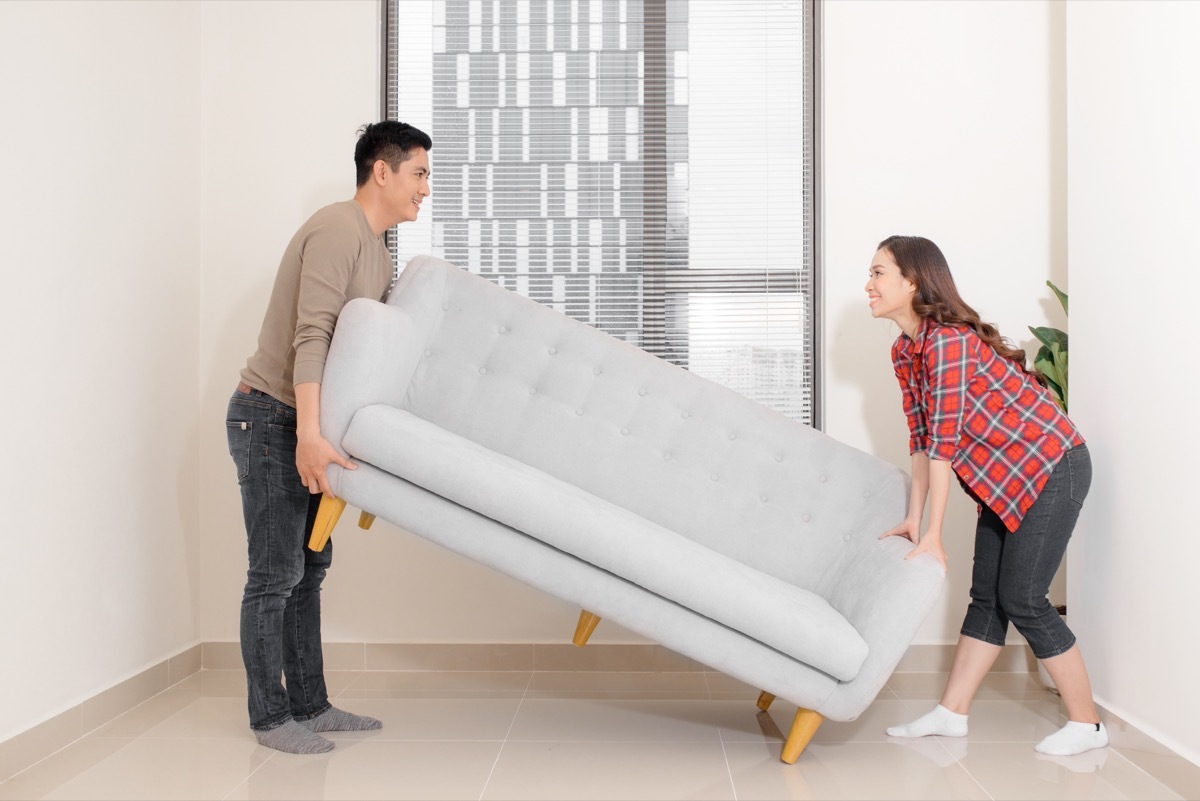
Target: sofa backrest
x: 637, y: 431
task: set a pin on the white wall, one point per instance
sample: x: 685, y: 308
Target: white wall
x: 285, y: 88
x: 99, y: 252
x: 939, y: 121
x: 1134, y: 173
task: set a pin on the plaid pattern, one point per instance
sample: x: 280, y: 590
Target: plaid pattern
x: 998, y: 427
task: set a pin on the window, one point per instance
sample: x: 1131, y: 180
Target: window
x: 645, y: 166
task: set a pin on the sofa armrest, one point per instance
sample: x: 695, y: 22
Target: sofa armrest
x: 372, y: 357
x: 887, y: 597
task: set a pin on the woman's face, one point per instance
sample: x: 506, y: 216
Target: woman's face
x: 889, y: 294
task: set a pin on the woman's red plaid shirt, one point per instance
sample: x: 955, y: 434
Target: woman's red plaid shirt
x: 998, y: 427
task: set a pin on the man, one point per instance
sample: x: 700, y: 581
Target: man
x: 273, y: 427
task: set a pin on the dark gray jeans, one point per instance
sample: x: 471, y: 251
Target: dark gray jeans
x: 1013, y: 571
x: 281, y: 606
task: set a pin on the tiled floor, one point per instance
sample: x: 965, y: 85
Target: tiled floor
x: 535, y: 735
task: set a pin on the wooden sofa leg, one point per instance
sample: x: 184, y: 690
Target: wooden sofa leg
x: 366, y: 520
x: 804, y: 726
x: 327, y: 516
x: 583, y: 630
x: 764, y: 700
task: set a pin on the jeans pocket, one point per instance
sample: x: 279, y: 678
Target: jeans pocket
x: 239, y: 436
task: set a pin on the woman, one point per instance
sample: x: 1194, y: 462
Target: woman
x: 975, y: 411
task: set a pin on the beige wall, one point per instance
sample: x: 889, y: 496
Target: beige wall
x: 1134, y: 187
x: 100, y: 257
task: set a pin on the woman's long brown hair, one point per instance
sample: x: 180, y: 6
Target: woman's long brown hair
x: 922, y: 262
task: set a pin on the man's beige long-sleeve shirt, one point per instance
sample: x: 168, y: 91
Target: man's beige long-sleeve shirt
x: 334, y: 257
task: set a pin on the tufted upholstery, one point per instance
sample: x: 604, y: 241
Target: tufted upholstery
x: 682, y: 510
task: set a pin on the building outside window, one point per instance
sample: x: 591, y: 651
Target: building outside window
x: 644, y: 166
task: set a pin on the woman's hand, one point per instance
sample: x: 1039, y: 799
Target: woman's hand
x: 931, y: 544
x: 910, y: 529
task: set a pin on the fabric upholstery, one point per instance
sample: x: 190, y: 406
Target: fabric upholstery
x: 793, y: 620
x: 653, y: 446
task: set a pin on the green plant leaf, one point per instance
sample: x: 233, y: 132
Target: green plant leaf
x: 1062, y: 296
x: 1050, y: 337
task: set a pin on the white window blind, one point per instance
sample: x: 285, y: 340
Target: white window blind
x: 645, y: 166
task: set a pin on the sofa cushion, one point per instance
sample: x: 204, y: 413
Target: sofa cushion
x: 790, y: 619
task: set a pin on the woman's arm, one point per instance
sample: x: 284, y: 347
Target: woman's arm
x: 938, y: 471
x: 911, y: 526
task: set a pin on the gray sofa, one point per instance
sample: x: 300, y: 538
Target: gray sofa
x: 586, y: 467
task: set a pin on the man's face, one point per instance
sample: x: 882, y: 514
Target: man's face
x: 407, y: 185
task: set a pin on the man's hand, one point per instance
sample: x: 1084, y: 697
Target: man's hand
x: 313, y: 455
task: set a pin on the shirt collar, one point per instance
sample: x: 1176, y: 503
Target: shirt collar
x: 909, y: 346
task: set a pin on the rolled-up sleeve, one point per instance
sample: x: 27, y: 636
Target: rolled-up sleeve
x: 947, y: 368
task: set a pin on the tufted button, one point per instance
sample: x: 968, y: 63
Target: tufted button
x: 428, y: 353
x: 553, y: 351
x: 846, y: 537
x: 762, y: 498
x: 823, y: 478
x: 732, y: 437
x: 445, y: 307
x: 483, y: 371
x: 532, y: 390
x: 866, y: 493
x: 806, y: 517
x: 685, y: 415
x: 579, y: 412
x: 713, y: 477
x: 779, y: 457
x: 624, y: 432
x: 666, y: 456
x: 502, y: 330
x: 595, y: 371
x: 642, y: 392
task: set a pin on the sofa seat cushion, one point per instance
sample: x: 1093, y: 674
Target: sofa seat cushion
x: 787, y: 618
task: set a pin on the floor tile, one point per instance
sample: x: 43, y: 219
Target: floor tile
x: 59, y: 768
x: 167, y: 769
x: 444, y: 684
x: 847, y: 771
x: 1016, y: 771
x: 725, y: 687
x: 433, y: 718
x: 151, y: 713
x: 995, y: 687
x: 618, y: 684
x: 742, y: 724
x: 376, y: 769
x: 206, y: 719
x: 563, y: 771
x: 575, y: 720
x: 1015, y: 721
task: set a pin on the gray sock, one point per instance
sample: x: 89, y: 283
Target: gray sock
x: 292, y: 738
x: 334, y: 719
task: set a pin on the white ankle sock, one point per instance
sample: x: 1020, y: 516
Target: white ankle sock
x: 940, y: 721
x: 1074, y: 738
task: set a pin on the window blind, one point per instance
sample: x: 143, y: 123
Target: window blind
x: 645, y: 166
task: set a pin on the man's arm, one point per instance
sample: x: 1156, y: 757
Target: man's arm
x: 313, y: 452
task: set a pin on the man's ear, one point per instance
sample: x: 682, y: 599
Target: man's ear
x: 380, y: 170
